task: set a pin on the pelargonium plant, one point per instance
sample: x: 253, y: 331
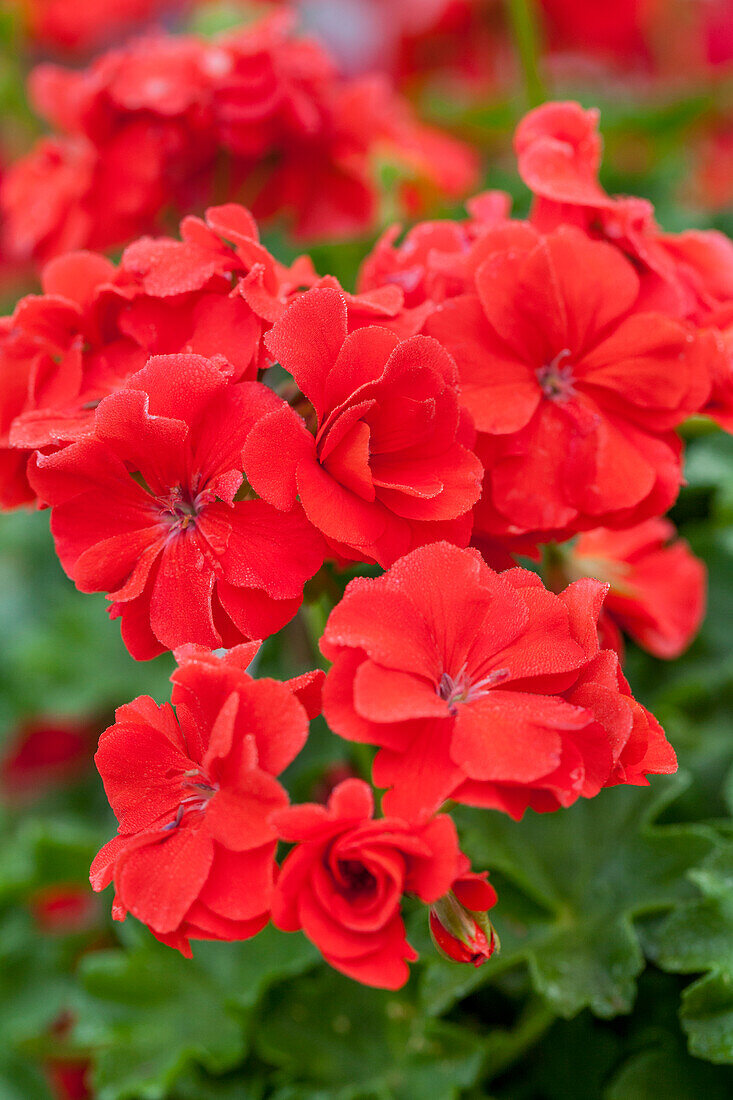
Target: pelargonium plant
x: 532, y: 390
x: 456, y: 473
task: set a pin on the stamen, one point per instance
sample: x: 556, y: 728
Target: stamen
x: 460, y: 689
x: 557, y: 381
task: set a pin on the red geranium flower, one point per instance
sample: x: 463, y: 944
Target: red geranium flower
x: 559, y: 154
x: 95, y: 325
x: 657, y: 585
x: 344, y: 881
x: 146, y: 511
x: 573, y: 391
x: 483, y: 687
x: 64, y: 908
x: 43, y: 753
x: 387, y: 468
x: 192, y: 790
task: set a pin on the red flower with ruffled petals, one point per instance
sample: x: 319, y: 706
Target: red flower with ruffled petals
x: 146, y: 511
x: 657, y: 585
x: 483, y: 687
x: 193, y: 789
x: 344, y: 880
x: 559, y: 153
x: 573, y: 391
x: 386, y: 469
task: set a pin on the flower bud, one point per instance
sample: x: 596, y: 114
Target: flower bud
x: 461, y: 933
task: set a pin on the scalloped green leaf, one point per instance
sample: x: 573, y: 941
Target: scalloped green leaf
x: 337, y: 1040
x: 698, y: 937
x: 578, y: 879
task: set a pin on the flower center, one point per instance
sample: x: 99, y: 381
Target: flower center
x: 555, y: 379
x: 180, y: 509
x: 461, y: 689
x: 201, y: 789
x: 357, y: 878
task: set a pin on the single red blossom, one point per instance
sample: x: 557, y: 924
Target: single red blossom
x: 657, y: 585
x: 96, y: 324
x: 459, y: 924
x: 558, y: 148
x: 146, y: 510
x: 45, y: 752
x: 573, y: 391
x: 344, y: 880
x: 213, y: 292
x: 483, y: 687
x: 192, y: 789
x: 60, y: 353
x: 64, y: 908
x: 386, y: 468
x: 69, y: 1080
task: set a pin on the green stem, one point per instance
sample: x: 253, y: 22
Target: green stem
x: 522, y: 16
x: 362, y: 757
x: 314, y: 616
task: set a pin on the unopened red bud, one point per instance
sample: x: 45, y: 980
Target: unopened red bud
x: 462, y: 934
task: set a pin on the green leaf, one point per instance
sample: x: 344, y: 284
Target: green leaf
x: 243, y: 1085
x: 699, y: 937
x: 21, y: 1081
x: 666, y: 1071
x: 580, y: 877
x: 59, y: 646
x: 151, y: 1014
x: 342, y: 1041
x: 246, y: 970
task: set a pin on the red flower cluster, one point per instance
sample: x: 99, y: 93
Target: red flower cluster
x: 193, y: 789
x: 214, y: 293
x: 513, y: 383
x: 161, y: 122
x: 483, y: 687
x: 582, y: 339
